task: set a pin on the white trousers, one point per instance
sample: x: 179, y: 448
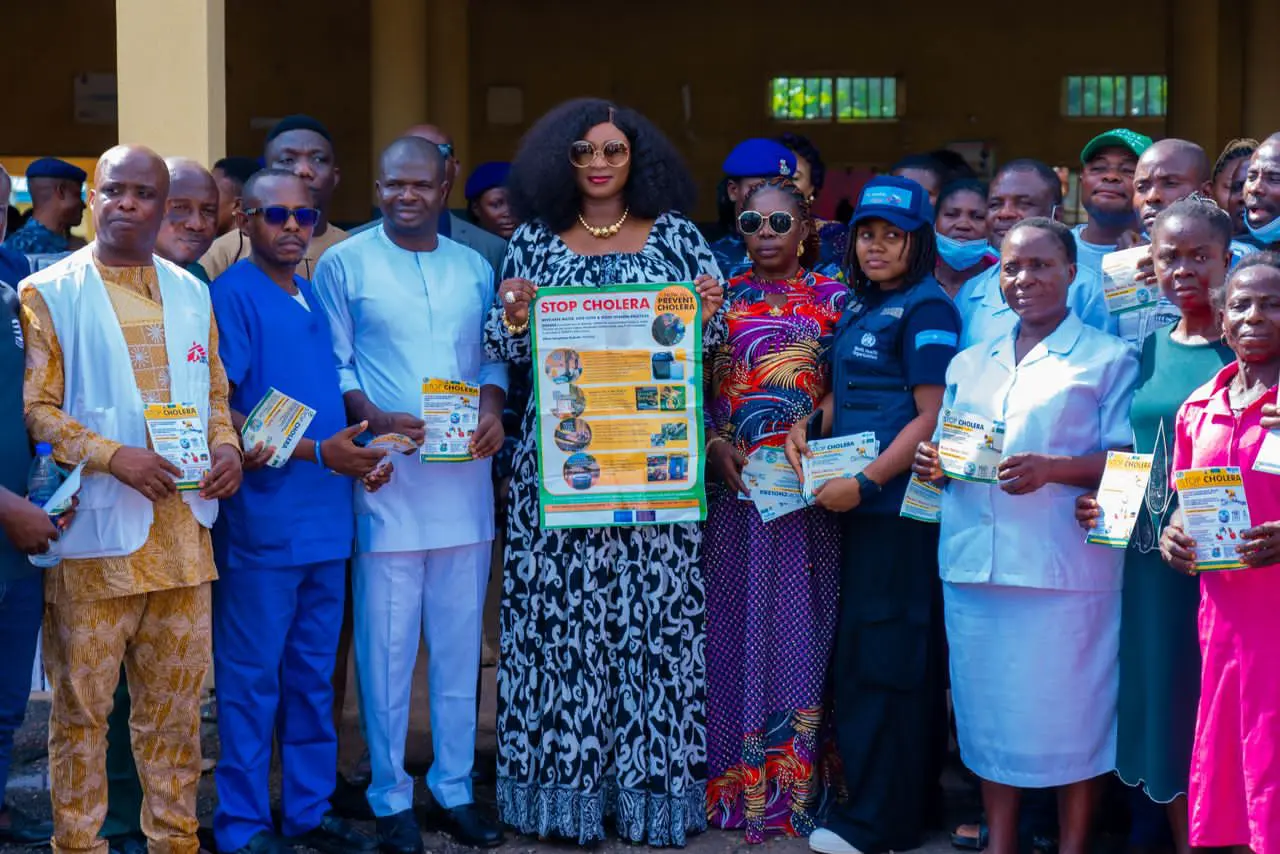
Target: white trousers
x: 439, y: 593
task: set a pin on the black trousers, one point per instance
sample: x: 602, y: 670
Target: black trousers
x: 889, y: 682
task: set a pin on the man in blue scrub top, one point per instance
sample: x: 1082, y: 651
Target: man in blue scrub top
x: 1021, y: 189
x: 283, y: 542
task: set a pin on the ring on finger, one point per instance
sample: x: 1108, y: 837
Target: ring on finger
x: 510, y: 297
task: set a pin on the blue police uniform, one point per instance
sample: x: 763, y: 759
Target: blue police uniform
x: 889, y: 704
x: 762, y: 158
x: 283, y: 541
x: 33, y: 238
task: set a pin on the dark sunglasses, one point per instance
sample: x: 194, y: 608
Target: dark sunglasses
x: 583, y: 153
x: 780, y: 222
x: 278, y: 215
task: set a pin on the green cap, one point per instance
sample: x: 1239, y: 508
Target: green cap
x: 1116, y: 138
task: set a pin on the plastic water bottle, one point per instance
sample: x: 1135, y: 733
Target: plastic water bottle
x: 42, y: 482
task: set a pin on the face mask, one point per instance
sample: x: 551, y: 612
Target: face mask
x: 1267, y: 234
x: 961, y: 254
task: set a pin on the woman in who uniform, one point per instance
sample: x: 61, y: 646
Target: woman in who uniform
x: 889, y: 361
x: 1032, y: 610
x: 1159, y: 648
x: 771, y: 586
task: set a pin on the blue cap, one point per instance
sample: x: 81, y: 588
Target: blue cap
x: 900, y: 201
x: 760, y: 158
x: 52, y: 167
x: 485, y: 177
x: 44, y: 449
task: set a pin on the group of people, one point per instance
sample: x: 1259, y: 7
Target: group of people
x: 774, y: 677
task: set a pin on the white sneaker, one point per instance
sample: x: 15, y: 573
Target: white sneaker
x: 825, y: 842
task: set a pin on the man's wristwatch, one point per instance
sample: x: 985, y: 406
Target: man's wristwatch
x: 866, y: 486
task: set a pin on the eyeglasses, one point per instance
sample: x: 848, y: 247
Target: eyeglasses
x: 780, y: 222
x: 615, y: 152
x: 446, y: 149
x: 278, y: 215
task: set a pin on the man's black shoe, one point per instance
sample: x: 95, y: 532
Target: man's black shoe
x: 335, y: 836
x: 399, y: 834
x: 349, y: 801
x: 264, y: 842
x: 469, y: 825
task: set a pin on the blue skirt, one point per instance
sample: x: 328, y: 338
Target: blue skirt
x: 1035, y: 679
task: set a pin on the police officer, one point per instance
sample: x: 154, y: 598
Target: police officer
x: 889, y: 363
x: 752, y: 162
x: 56, y: 188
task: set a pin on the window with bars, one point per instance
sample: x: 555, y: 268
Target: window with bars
x: 841, y: 99
x: 1118, y: 95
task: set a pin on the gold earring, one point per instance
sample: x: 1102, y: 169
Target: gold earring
x: 800, y: 251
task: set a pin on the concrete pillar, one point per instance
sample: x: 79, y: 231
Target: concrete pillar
x: 449, y: 98
x: 171, y: 76
x: 1205, y: 70
x: 398, y: 72
x: 1262, y: 84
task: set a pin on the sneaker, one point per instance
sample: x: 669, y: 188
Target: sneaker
x: 825, y: 842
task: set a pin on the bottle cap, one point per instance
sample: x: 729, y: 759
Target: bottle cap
x: 44, y: 449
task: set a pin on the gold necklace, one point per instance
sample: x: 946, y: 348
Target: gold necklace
x: 605, y: 232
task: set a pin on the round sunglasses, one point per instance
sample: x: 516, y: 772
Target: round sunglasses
x: 780, y: 222
x: 278, y: 215
x: 615, y: 153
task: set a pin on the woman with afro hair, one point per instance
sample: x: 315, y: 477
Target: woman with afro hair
x: 601, y: 683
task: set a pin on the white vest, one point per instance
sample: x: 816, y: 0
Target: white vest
x: 100, y: 392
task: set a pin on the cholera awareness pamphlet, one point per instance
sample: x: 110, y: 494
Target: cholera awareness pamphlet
x: 1124, y: 482
x: 177, y: 434
x: 970, y: 446
x: 450, y: 413
x: 618, y: 390
x: 1214, y: 514
x: 278, y: 421
x: 836, y: 458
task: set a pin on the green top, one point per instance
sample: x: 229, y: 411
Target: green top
x: 1170, y: 371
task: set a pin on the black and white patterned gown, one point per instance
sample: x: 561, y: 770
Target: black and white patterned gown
x: 601, y: 683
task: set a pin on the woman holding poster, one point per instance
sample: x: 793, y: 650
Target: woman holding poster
x: 772, y: 586
x: 1235, y: 778
x: 601, y: 686
x: 1032, y: 610
x: 1159, y: 647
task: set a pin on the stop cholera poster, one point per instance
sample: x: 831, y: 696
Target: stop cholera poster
x: 618, y: 385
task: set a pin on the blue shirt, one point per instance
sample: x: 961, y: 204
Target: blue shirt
x: 1068, y: 396
x: 886, y: 345
x: 301, y: 513
x: 987, y: 316
x: 15, y: 447
x: 14, y: 267
x: 34, y: 239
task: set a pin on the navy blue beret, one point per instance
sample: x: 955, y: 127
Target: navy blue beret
x: 52, y: 167
x: 760, y: 158
x: 485, y: 177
